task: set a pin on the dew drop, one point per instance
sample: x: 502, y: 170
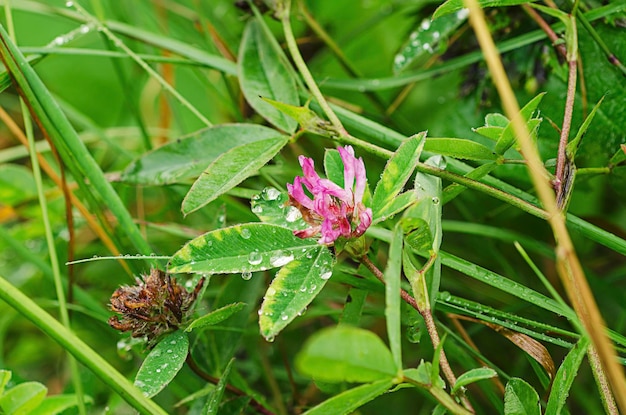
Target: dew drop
x: 269, y: 338
x: 69, y: 4
x: 255, y: 258
x: 158, y: 370
x: 271, y: 291
x: 284, y: 317
x: 270, y: 193
x: 425, y: 24
x: 325, y: 271
x: 245, y: 233
x: 293, y: 214
x: 257, y: 209
x: 281, y: 258
x: 435, y: 200
x: 246, y: 275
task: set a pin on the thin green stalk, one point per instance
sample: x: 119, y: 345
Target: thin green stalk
x: 78, y: 348
x: 52, y: 252
x: 118, y: 42
x: 304, y: 70
x: 568, y: 265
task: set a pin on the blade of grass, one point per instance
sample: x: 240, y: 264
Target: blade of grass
x: 79, y: 349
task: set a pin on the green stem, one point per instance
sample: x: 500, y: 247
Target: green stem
x: 304, y: 70
x: 79, y: 349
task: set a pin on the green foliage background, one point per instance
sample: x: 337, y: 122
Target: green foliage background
x: 121, y: 113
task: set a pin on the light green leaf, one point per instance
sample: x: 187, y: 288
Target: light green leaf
x: 423, y: 375
x: 572, y: 146
x: 346, y: 354
x: 293, y: 289
x: 520, y: 398
x: 23, y: 398
x: 58, y: 404
x: 473, y: 375
x: 242, y: 248
x: 230, y: 169
x: 213, y: 402
x: 397, y: 172
x: 162, y: 363
x: 347, y: 402
x: 262, y: 73
x: 452, y: 6
x: 392, y: 295
x: 565, y: 376
x: 5, y: 377
x: 398, y: 204
x: 308, y: 120
x: 189, y: 156
x: 426, y: 214
x: 216, y: 316
x: 508, y: 135
x: 459, y: 148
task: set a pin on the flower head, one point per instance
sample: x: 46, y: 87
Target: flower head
x: 333, y: 211
x: 154, y: 306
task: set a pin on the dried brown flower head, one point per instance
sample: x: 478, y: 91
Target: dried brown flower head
x: 154, y: 306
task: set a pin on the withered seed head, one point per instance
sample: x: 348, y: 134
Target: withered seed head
x: 152, y: 307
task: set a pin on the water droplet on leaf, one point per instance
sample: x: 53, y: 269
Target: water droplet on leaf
x: 255, y: 258
x: 246, y: 275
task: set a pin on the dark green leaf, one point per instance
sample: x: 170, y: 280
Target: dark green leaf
x: 333, y: 166
x: 230, y: 169
x: 473, y: 375
x: 213, y: 402
x: 23, y: 398
x: 397, y: 172
x: 520, y: 398
x: 459, y: 148
x: 162, y: 363
x: 565, y: 376
x: 293, y: 289
x: 345, y: 353
x: 262, y: 73
x: 242, y: 248
x: 216, y: 316
x: 347, y: 402
x: 189, y: 156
